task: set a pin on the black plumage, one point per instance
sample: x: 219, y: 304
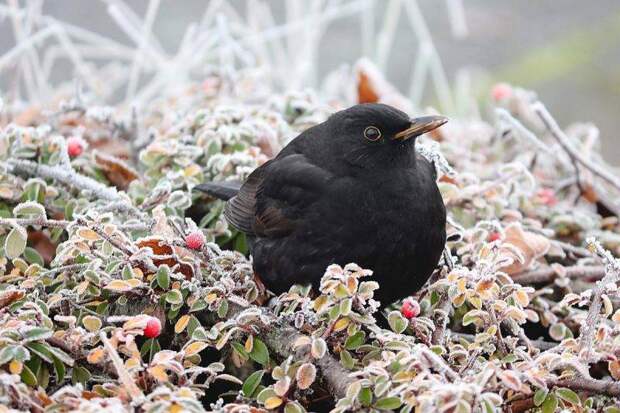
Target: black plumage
x: 351, y: 189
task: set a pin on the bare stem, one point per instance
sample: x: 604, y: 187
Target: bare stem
x: 563, y: 140
x: 65, y: 175
x: 548, y: 274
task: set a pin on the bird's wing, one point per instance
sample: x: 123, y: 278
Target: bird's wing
x: 275, y: 195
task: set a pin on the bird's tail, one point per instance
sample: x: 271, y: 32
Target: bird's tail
x: 220, y: 190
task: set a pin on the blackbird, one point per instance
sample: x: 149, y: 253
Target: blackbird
x: 351, y: 189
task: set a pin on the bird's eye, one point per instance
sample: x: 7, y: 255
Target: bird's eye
x: 372, y: 133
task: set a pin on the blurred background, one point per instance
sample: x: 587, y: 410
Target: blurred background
x: 567, y: 51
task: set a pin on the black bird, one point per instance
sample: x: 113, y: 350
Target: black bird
x: 351, y: 189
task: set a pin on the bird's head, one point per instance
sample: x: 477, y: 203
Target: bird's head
x: 374, y: 134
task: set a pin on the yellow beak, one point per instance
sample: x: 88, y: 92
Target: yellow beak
x: 419, y: 126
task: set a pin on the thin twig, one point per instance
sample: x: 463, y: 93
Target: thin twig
x: 548, y: 274
x: 539, y: 344
x: 608, y: 387
x: 64, y: 175
x: 39, y: 221
x: 590, y: 325
x: 440, y: 319
x: 565, y: 143
x: 62, y: 223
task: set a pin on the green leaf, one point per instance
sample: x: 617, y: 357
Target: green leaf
x: 397, y: 322
x: 6, y: 354
x: 174, y: 297
x: 15, y: 242
x: 388, y: 403
x: 354, y: 341
x: 540, y: 396
x: 488, y: 407
x: 20, y: 353
x: 127, y: 273
x: 238, y: 347
x: 265, y: 394
x: 259, y: 353
x: 29, y: 209
x: 510, y: 358
x: 69, y: 208
x: 41, y: 350
x: 43, y: 376
x: 198, y: 305
x: 61, y: 355
x: 37, y: 333
x: 149, y: 348
x: 28, y: 376
x: 200, y: 334
x: 293, y: 407
x: 473, y: 316
x: 80, y: 375
x: 550, y: 404
x: 346, y: 359
x: 163, y: 277
x: 241, y: 243
x: 33, y: 257
x: 59, y: 369
x: 365, y: 396
x: 251, y: 383
x: 568, y: 395
x: 222, y: 310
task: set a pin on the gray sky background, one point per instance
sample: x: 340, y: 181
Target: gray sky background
x: 566, y: 50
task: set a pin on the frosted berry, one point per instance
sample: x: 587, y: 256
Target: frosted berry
x: 195, y: 240
x: 493, y: 236
x: 153, y: 328
x: 75, y: 146
x: 547, y: 196
x: 501, y: 91
x: 410, y: 308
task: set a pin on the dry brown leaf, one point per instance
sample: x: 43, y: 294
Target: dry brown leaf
x: 372, y: 87
x: 160, y: 247
x: 614, y: 369
x: 531, y: 245
x: 115, y: 170
x: 10, y: 296
x: 96, y: 355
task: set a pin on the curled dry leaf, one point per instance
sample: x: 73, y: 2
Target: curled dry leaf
x: 173, y: 257
x: 372, y: 87
x: 115, y: 170
x: 531, y: 245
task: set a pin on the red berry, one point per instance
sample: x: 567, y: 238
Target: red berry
x: 75, y: 146
x: 547, y: 196
x: 493, y: 236
x: 501, y: 91
x: 195, y: 240
x: 153, y: 327
x: 410, y: 308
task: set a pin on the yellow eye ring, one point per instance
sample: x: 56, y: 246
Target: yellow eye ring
x: 372, y: 133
